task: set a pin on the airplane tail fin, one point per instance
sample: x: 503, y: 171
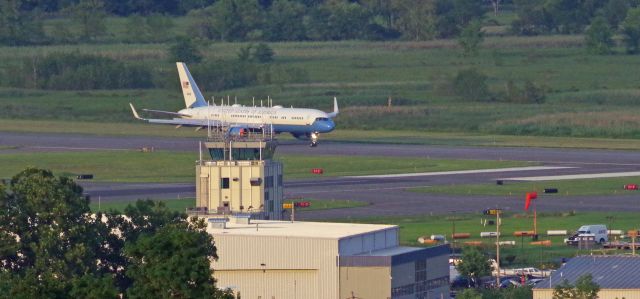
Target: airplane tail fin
x: 335, y: 108
x: 192, y: 95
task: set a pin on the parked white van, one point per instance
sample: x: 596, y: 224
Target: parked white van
x: 598, y: 231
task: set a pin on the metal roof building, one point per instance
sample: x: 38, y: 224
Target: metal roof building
x: 616, y: 276
x: 280, y: 259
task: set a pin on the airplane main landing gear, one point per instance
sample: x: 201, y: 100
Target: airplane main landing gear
x: 314, y: 139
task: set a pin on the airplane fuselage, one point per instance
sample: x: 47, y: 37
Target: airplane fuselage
x: 297, y: 121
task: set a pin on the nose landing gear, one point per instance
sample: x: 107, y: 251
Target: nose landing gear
x: 314, y: 139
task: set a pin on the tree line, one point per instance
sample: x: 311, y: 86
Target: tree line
x: 253, y: 65
x: 21, y: 21
x: 53, y: 246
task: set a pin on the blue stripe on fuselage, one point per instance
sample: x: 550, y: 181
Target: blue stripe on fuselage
x: 317, y: 126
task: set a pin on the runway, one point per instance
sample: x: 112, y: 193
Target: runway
x: 386, y: 195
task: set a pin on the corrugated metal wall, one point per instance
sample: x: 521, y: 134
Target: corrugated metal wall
x: 369, y: 242
x: 365, y: 282
x: 249, y: 253
x: 262, y: 284
x: 603, y: 294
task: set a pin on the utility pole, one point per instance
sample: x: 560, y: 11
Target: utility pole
x: 497, y: 213
x: 498, y: 247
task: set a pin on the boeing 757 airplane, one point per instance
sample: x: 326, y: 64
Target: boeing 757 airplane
x: 304, y: 124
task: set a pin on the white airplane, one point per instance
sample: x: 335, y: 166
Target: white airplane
x: 304, y: 124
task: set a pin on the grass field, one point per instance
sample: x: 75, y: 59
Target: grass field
x: 589, y: 96
x: 163, y: 166
x: 413, y: 227
x: 180, y: 205
x: 601, y: 186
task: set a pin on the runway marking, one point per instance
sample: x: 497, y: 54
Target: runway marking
x: 576, y: 176
x: 359, y: 190
x: 294, y: 184
x: 510, y: 169
x: 80, y: 148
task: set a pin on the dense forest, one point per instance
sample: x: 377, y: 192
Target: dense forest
x: 24, y: 22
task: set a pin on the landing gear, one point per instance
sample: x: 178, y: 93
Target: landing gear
x: 314, y: 139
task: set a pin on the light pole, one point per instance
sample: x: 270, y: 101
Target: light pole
x: 497, y: 213
x: 498, y: 247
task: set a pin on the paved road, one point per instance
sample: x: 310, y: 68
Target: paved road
x: 387, y: 196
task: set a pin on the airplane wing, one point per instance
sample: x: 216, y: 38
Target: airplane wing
x: 165, y: 112
x: 185, y: 122
x: 176, y: 121
x: 190, y: 122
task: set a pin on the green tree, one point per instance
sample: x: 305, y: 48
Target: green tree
x: 53, y: 236
x: 599, y: 37
x: 470, y: 38
x: 455, y: 15
x: 336, y: 20
x: 470, y: 84
x: 564, y: 290
x: 416, y: 19
x: 236, y: 20
x: 173, y: 262
x: 571, y: 16
x: 584, y: 288
x: 469, y: 294
x: 53, y: 247
x: 631, y: 31
x: 19, y: 27
x: 263, y: 53
x: 284, y: 21
x: 184, y: 50
x: 136, y: 30
x: 533, y: 18
x: 615, y: 11
x: 523, y: 292
x: 474, y: 264
x: 90, y: 16
x: 158, y: 27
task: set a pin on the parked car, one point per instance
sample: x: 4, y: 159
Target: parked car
x: 461, y: 282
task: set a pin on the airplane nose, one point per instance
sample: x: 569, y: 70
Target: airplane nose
x: 331, y: 125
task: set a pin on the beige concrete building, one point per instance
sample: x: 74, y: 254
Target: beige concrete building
x: 279, y: 259
x: 240, y: 177
x: 240, y: 186
x: 615, y: 275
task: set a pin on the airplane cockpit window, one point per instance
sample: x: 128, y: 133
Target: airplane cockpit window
x: 322, y: 119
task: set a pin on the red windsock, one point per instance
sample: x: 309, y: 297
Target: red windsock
x: 530, y: 196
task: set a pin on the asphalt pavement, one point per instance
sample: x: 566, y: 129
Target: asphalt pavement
x: 386, y: 196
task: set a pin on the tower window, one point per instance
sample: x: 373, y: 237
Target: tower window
x: 225, y: 183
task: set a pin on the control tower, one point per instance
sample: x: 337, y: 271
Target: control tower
x: 237, y: 175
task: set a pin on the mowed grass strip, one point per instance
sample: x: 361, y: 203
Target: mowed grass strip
x: 339, y: 135
x: 578, y: 187
x: 301, y: 166
x: 166, y: 167
x: 181, y: 204
x: 411, y: 228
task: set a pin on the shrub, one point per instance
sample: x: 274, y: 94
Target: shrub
x: 470, y: 38
x: 263, y: 53
x: 470, y: 84
x: 184, y: 50
x: 599, y: 37
x: 530, y: 93
x: 75, y: 71
x: 219, y: 75
x: 631, y: 31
